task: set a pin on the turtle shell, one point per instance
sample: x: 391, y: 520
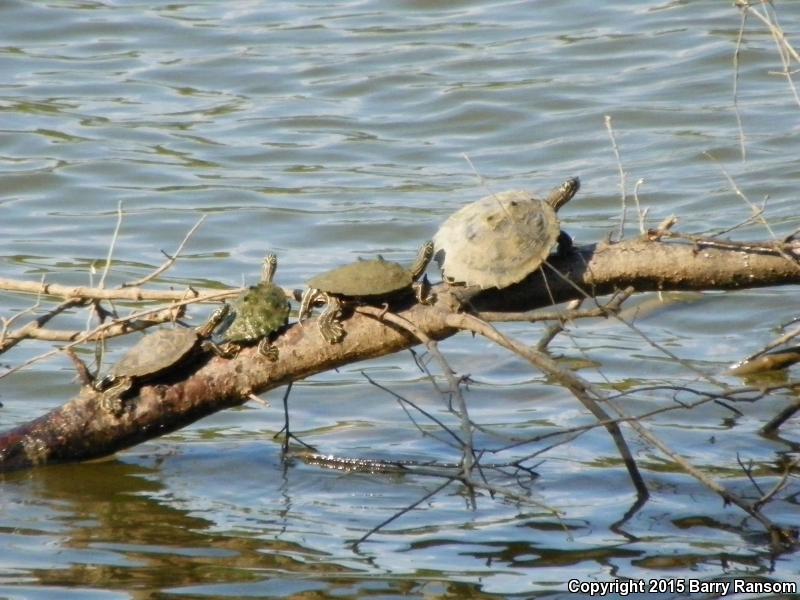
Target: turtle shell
x: 364, y: 279
x: 496, y: 241
x: 156, y: 352
x: 259, y: 311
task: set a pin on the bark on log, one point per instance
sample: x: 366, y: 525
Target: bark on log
x: 81, y: 430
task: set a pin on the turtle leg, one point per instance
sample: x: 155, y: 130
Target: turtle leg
x: 422, y: 291
x: 226, y: 350
x: 329, y: 323
x: 214, y: 321
x: 564, y: 243
x: 267, y: 349
x: 111, y: 399
x: 310, y: 296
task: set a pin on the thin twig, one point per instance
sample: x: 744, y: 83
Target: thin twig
x: 117, y: 328
x: 755, y: 211
x: 103, y: 327
x: 584, y: 391
x: 742, y: 146
x: 405, y: 510
x: 468, y: 456
x: 102, y: 283
x: 779, y: 485
x: 170, y: 259
x: 132, y: 294
x: 403, y: 401
x: 642, y: 213
x: 622, y: 177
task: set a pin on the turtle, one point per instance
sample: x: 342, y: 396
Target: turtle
x: 368, y: 281
x: 258, y: 313
x: 155, y: 354
x: 502, y: 238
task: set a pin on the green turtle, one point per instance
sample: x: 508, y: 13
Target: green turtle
x: 257, y: 314
x: 501, y: 239
x: 368, y: 281
x: 153, y: 355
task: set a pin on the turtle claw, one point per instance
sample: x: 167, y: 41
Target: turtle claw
x: 268, y: 350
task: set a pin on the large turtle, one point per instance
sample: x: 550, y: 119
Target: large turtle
x: 155, y: 354
x: 258, y: 313
x: 369, y: 281
x: 501, y: 239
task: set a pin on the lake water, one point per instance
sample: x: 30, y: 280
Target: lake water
x: 324, y: 131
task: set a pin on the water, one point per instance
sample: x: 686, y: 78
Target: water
x: 325, y: 131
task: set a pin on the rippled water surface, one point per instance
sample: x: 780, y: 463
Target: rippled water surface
x: 324, y: 131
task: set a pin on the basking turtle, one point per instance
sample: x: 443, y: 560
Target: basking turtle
x: 155, y: 354
x: 502, y: 238
x: 369, y: 281
x: 257, y: 314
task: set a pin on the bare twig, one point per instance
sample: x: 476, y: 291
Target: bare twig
x: 111, y: 246
x: 642, y: 213
x: 614, y: 305
x: 622, y: 177
x: 584, y: 391
x: 779, y: 485
x: 742, y: 146
x: 117, y: 328
x: 756, y: 212
x: 170, y: 259
x: 133, y: 294
x: 775, y: 422
x: 94, y: 333
x: 402, y: 401
x: 468, y: 456
x: 400, y: 513
x: 554, y: 329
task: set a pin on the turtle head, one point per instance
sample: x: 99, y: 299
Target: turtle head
x: 105, y: 383
x: 269, y: 268
x: 563, y: 193
x: 423, y: 258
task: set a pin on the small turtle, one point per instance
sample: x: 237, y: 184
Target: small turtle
x: 153, y: 355
x: 501, y: 239
x: 257, y: 314
x: 369, y: 281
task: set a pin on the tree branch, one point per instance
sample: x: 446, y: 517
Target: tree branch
x: 80, y: 429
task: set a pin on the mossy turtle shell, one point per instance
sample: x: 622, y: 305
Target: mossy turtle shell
x: 257, y: 312
x: 156, y: 352
x: 363, y: 279
x: 496, y: 241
